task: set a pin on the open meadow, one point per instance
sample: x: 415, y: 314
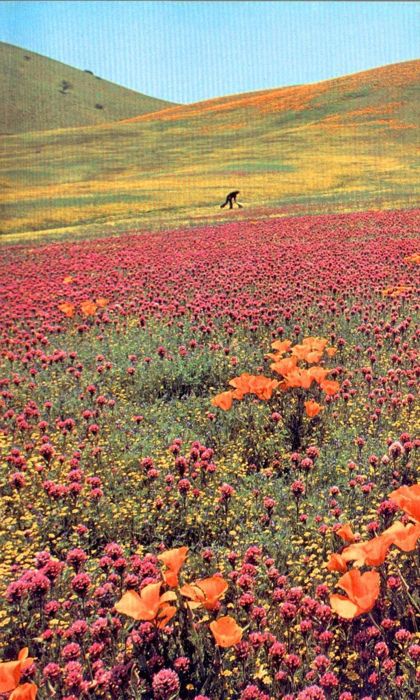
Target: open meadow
x: 211, y: 459
x: 338, y: 145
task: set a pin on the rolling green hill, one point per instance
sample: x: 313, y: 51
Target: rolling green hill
x: 338, y: 145
x: 39, y: 93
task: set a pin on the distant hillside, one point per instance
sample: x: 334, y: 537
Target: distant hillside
x: 378, y: 92
x: 39, y: 93
x: 339, y: 145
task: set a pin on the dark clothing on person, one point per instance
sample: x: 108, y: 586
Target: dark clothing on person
x: 230, y: 199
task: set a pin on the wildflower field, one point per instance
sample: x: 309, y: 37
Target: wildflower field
x: 209, y: 479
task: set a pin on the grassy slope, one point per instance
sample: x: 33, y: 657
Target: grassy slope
x: 32, y: 95
x: 341, y: 144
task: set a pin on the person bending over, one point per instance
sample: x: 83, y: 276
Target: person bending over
x: 230, y: 199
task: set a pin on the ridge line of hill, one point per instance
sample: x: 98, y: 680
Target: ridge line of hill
x: 236, y: 98
x: 40, y: 93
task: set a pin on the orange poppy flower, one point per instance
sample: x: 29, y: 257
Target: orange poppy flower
x: 241, y: 385
x: 223, y: 400
x: 10, y: 671
x: 330, y: 387
x: 284, y: 366
x: 315, y: 343
x: 415, y: 258
x: 408, y: 499
x: 67, y: 308
x: 206, y: 592
x: 346, y: 533
x: 68, y: 280
x: 226, y: 632
x: 362, y: 591
x: 299, y: 378
x: 281, y: 346
x: 311, y: 349
x: 149, y: 605
x: 262, y: 387
x: 312, y: 408
x: 300, y: 352
x: 88, y: 308
x: 404, y: 536
x: 401, y: 289
x: 313, y: 356
x: 331, y: 352
x: 396, y: 291
x: 319, y: 374
x: 259, y: 385
x: 336, y: 563
x: 371, y: 553
x: 273, y: 356
x: 102, y: 302
x: 173, y: 559
x: 26, y: 691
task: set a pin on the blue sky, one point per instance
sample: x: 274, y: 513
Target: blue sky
x: 190, y: 51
